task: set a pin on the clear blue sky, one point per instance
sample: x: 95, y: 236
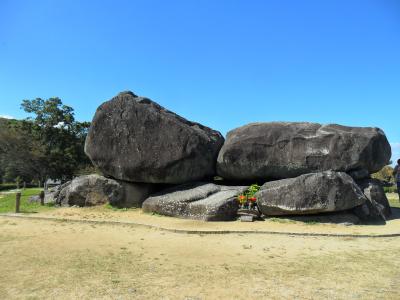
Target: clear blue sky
x: 220, y: 63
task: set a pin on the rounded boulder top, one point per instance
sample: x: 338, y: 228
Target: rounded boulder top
x: 277, y: 150
x: 135, y: 139
x: 127, y: 93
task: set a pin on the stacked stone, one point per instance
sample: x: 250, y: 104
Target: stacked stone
x: 309, y: 168
x: 152, y: 158
x: 142, y: 149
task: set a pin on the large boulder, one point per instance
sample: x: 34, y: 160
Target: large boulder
x: 134, y: 139
x: 91, y: 190
x: 200, y: 201
x: 377, y: 206
x: 277, y: 150
x: 309, y: 194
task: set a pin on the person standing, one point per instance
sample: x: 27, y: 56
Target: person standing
x: 396, y: 174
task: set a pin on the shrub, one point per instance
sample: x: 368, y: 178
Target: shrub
x: 248, y: 198
x: 13, y: 186
x: 7, y: 186
x: 390, y: 189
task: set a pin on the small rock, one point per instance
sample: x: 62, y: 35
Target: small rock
x: 34, y: 199
x: 247, y: 218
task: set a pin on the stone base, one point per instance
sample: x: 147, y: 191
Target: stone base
x: 198, y: 200
x: 247, y: 218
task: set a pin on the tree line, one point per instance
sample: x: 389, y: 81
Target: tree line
x: 47, y: 145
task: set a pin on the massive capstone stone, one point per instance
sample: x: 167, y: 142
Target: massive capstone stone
x: 91, y: 190
x: 198, y: 200
x: 309, y: 194
x: 277, y: 150
x: 134, y: 139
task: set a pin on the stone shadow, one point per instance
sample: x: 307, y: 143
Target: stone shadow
x: 345, y: 218
x: 395, y: 214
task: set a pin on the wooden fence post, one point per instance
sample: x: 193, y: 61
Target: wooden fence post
x: 41, y: 197
x: 17, y: 201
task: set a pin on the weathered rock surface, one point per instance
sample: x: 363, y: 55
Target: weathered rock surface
x: 277, y: 150
x: 201, y: 201
x: 51, y: 195
x: 134, y: 139
x: 377, y: 205
x: 90, y: 190
x: 309, y: 194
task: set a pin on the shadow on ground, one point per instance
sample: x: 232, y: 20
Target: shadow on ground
x: 395, y: 214
x: 344, y: 218
x: 331, y: 218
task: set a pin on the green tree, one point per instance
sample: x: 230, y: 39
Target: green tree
x: 20, y: 155
x: 53, y: 125
x: 49, y: 144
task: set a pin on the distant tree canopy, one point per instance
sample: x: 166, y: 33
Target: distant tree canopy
x: 50, y: 144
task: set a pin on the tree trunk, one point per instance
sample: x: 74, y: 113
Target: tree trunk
x: 41, y: 198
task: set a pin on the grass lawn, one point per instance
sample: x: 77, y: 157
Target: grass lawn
x: 7, y: 201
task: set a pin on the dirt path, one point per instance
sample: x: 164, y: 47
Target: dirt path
x: 59, y: 260
x: 272, y: 225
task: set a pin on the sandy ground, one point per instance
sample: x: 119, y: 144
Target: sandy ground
x: 61, y: 260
